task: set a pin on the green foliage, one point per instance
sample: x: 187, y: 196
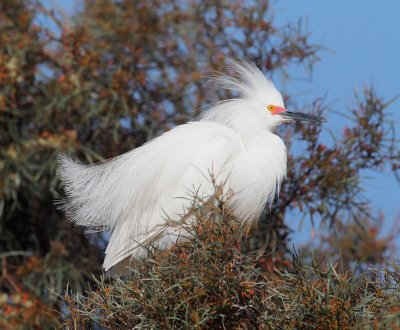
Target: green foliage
x: 206, y: 282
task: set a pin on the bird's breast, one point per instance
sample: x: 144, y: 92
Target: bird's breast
x: 257, y: 174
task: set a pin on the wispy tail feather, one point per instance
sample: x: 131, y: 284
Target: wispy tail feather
x: 88, y: 198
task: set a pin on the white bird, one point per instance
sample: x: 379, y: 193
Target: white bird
x: 132, y: 194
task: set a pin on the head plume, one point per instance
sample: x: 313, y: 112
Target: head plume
x: 248, y: 81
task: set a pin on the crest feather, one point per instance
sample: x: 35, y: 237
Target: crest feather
x: 246, y: 79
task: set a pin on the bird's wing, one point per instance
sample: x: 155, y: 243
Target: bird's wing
x: 131, y: 194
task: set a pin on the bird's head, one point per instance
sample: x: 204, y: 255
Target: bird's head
x: 257, y: 94
x: 259, y: 103
x: 267, y: 97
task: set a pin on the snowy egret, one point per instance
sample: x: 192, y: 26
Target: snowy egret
x: 132, y: 194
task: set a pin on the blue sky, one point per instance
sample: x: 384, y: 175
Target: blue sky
x: 363, y: 39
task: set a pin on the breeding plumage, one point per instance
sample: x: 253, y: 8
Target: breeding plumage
x: 132, y: 195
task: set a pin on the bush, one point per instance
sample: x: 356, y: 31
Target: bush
x: 204, y: 281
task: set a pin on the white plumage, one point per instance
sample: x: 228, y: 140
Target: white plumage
x: 131, y: 195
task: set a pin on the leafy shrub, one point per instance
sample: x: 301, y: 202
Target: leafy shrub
x: 204, y: 281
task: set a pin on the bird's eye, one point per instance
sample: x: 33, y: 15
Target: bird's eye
x: 271, y: 108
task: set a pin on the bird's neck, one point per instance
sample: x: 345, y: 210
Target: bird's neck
x: 246, y: 123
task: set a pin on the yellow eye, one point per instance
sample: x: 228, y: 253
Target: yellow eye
x: 271, y: 108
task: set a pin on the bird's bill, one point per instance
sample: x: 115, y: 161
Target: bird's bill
x: 291, y: 115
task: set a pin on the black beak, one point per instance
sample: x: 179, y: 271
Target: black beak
x: 291, y: 115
